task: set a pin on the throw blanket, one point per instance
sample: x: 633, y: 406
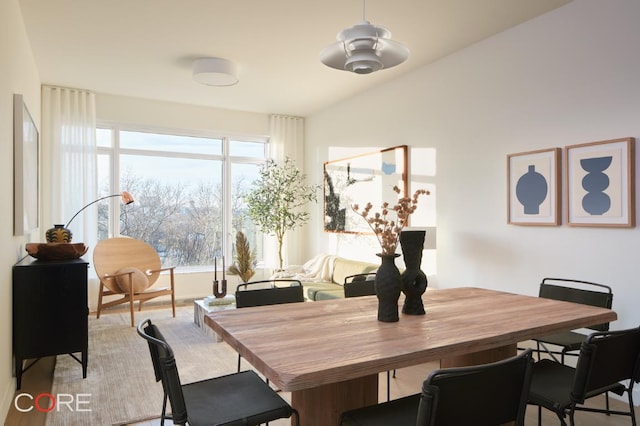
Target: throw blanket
x: 318, y: 269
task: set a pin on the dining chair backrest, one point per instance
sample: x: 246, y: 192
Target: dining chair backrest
x: 576, y: 291
x: 276, y: 293
x: 607, y: 358
x: 165, y: 369
x: 359, y: 285
x: 482, y: 395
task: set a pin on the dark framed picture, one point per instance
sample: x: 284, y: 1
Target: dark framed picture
x: 600, y: 180
x: 25, y: 169
x: 362, y: 179
x: 533, y: 188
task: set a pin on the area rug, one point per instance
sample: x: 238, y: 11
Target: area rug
x: 120, y: 387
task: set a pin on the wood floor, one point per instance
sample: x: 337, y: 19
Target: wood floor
x: 408, y: 381
x: 36, y: 380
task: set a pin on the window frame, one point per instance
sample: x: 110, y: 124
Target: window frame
x: 114, y: 152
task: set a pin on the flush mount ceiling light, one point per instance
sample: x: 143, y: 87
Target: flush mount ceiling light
x: 214, y: 72
x: 363, y: 49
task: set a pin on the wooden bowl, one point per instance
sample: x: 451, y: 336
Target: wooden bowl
x: 56, y: 251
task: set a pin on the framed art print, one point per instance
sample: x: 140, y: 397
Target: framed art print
x: 533, y: 188
x: 25, y: 169
x: 362, y: 179
x: 600, y: 180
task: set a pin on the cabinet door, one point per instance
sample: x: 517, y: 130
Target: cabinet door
x: 50, y: 309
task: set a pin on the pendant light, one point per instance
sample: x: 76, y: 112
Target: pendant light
x: 363, y: 49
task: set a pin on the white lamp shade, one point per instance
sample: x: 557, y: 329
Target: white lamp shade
x: 215, y: 72
x: 364, y: 48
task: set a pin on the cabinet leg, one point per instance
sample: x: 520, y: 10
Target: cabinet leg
x: 19, y: 362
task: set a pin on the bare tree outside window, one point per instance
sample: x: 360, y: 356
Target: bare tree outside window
x: 180, y: 208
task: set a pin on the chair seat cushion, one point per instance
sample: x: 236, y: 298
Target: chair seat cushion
x: 139, y: 278
x: 570, y: 340
x: 552, y: 384
x: 223, y: 400
x: 397, y: 412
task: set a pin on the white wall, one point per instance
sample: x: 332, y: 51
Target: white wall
x: 18, y: 74
x: 567, y: 77
x: 179, y: 116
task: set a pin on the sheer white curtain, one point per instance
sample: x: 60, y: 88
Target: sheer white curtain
x: 69, y: 161
x: 287, y: 140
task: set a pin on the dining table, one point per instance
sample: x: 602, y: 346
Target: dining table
x: 328, y: 354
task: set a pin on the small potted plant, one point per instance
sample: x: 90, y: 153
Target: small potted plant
x: 245, y: 260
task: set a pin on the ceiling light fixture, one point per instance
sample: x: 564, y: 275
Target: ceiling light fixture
x: 363, y: 49
x: 214, y: 72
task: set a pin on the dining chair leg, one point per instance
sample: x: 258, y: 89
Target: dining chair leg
x: 571, y: 419
x: 561, y: 416
x: 388, y: 385
x: 539, y: 412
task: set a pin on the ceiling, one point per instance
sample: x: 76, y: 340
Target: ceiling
x: 144, y: 48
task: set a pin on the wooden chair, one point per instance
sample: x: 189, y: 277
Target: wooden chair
x: 129, y: 268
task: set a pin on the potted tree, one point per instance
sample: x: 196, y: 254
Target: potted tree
x: 277, y: 200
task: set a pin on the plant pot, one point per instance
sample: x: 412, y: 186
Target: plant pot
x: 388, y: 288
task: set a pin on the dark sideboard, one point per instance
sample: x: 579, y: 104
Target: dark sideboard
x: 50, y: 312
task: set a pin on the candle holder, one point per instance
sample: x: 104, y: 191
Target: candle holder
x: 219, y: 287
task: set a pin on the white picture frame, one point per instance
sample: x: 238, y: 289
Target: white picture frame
x: 25, y: 169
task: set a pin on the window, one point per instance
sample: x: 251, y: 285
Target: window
x: 188, y: 191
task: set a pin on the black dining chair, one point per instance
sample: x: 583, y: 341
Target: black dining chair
x: 234, y: 399
x: 268, y: 292
x: 576, y: 291
x: 606, y: 359
x: 358, y: 285
x: 480, y: 395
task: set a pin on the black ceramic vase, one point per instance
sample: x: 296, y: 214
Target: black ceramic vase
x: 387, y: 285
x: 414, y: 281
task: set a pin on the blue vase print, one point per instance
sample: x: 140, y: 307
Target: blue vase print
x: 596, y: 202
x: 531, y: 190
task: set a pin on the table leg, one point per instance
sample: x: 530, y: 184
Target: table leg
x: 482, y: 357
x: 323, y: 405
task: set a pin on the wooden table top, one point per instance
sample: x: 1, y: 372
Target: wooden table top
x: 305, y: 345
